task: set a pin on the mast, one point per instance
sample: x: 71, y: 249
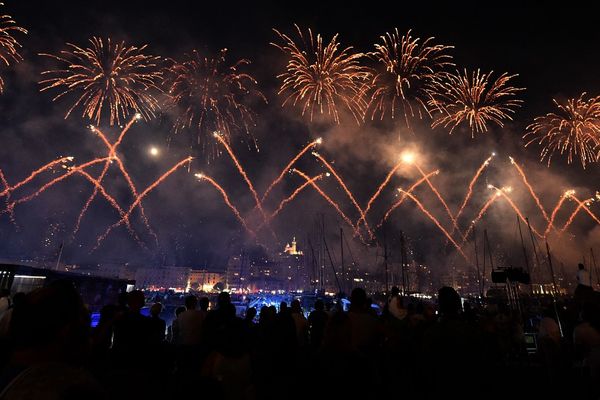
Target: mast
x: 554, y: 289
x: 479, y: 287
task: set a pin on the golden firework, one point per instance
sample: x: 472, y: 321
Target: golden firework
x: 406, y: 69
x: 475, y: 99
x: 321, y: 76
x: 209, y: 95
x: 106, y: 76
x: 574, y: 129
x: 9, y: 46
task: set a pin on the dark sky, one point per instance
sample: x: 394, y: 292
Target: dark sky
x: 553, y: 49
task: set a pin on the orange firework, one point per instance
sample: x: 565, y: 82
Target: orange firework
x: 243, y: 173
x: 139, y: 198
x: 435, y: 221
x: 480, y: 215
x: 514, y: 207
x: 530, y: 188
x: 406, y: 70
x: 209, y: 95
x: 439, y: 196
x: 106, y: 76
x: 319, y: 76
x: 403, y: 197
x: 574, y: 129
x: 9, y: 46
x: 475, y: 99
x: 288, y: 166
x: 574, y: 213
x: 559, y: 204
x: 346, y: 190
x: 10, y: 211
x: 327, y: 198
x: 378, y: 191
x: 470, y: 189
x: 226, y: 200
x: 585, y: 208
x: 112, y: 156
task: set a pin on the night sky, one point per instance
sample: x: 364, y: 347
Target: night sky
x: 553, y: 49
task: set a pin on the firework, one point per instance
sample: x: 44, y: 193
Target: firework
x: 470, y: 188
x: 474, y: 99
x: 407, y: 68
x: 321, y: 76
x: 289, y: 166
x: 582, y: 204
x: 530, y: 188
x: 11, y: 214
x: 346, y: 190
x: 327, y: 198
x: 503, y: 192
x: 403, y: 197
x: 574, y: 129
x: 480, y: 215
x: 435, y: 221
x: 209, y: 95
x: 138, y: 200
x: 106, y: 77
x: 559, y: 204
x: 9, y: 46
x: 226, y: 200
x: 574, y: 213
x: 111, y: 157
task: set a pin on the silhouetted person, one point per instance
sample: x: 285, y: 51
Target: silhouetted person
x: 173, y: 331
x: 191, y: 322
x: 317, y: 321
x: 158, y: 326
x: 203, y: 303
x: 131, y: 331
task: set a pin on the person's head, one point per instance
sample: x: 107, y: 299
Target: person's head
x: 250, y: 313
x: 296, y: 308
x: 155, y: 310
x: 224, y: 299
x: 358, y: 299
x: 283, y: 307
x: 179, y: 310
x: 395, y: 291
x: 191, y: 302
x: 449, y: 301
x: 52, y: 324
x: 136, y: 300
x: 580, y: 266
x: 319, y: 306
x: 204, y: 303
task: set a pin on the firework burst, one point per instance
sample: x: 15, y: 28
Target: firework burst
x: 321, y: 76
x: 407, y: 68
x: 9, y: 46
x: 209, y: 95
x: 106, y: 77
x: 475, y: 99
x: 574, y: 129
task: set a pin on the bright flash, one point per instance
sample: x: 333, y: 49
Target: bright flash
x: 154, y: 151
x: 408, y: 157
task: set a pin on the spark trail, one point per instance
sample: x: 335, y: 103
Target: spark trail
x: 530, y: 188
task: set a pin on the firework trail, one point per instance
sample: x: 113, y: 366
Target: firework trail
x: 11, y: 214
x: 289, y: 166
x: 209, y: 95
x: 474, y: 99
x: 435, y: 221
x: 319, y: 75
x: 529, y: 187
x: 9, y: 46
x: 581, y: 204
x: 406, y: 69
x: 515, y: 208
x: 574, y: 129
x: 113, y: 203
x: 574, y: 214
x: 71, y: 171
x: 291, y: 197
x: 347, y: 191
x: 378, y: 192
x: 403, y: 197
x: 480, y: 215
x: 106, y: 75
x: 327, y: 198
x: 112, y: 149
x: 226, y: 199
x: 35, y: 173
x: 139, y: 199
x: 439, y: 196
x: 559, y: 204
x: 243, y: 174
x: 470, y: 189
